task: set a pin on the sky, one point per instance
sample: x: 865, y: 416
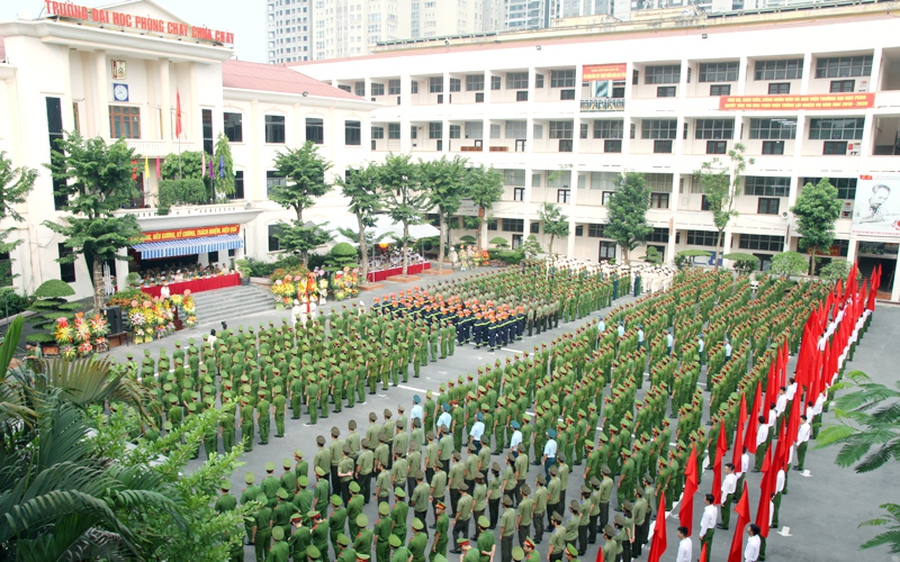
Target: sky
x: 245, y: 18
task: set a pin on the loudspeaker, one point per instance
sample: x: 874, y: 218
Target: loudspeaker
x: 113, y: 316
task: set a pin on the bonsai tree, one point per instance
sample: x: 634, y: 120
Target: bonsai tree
x: 788, y: 264
x: 342, y: 255
x: 50, y: 303
x: 468, y: 239
x: 499, y: 242
x: 685, y: 258
x: 652, y: 256
x: 743, y: 263
x: 532, y: 247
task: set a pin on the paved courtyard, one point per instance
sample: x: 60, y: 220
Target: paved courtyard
x: 822, y: 511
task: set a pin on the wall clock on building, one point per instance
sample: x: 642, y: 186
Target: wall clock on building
x: 120, y: 92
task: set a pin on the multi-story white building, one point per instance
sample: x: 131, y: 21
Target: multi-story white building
x: 564, y: 112
x: 118, y: 72
x: 288, y: 31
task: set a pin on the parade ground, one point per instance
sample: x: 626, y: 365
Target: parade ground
x: 819, y: 516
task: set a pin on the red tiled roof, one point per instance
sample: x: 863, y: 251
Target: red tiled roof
x: 271, y: 78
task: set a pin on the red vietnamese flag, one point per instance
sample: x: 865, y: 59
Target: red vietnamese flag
x: 794, y: 420
x: 177, y: 113
x: 658, y: 545
x: 739, y: 435
x: 753, y: 425
x: 703, y: 553
x: 721, y: 450
x: 766, y: 486
x: 691, y: 483
x: 743, y: 512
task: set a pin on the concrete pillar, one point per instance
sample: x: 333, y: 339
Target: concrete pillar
x: 168, y: 117
x: 101, y: 96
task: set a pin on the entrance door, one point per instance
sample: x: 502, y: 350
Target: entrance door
x: 520, y: 145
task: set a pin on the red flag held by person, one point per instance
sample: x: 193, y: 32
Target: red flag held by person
x: 177, y: 113
x: 703, y: 555
x: 766, y: 487
x: 658, y: 545
x: 743, y: 513
x: 721, y: 450
x: 691, y: 483
x: 739, y: 436
x: 753, y: 424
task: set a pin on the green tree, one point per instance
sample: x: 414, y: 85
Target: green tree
x: 401, y: 194
x: 554, y: 222
x: 445, y: 182
x: 531, y: 247
x: 743, y: 264
x: 485, y: 189
x: 361, y: 188
x: 869, y: 437
x: 787, y: 264
x: 97, y: 180
x: 834, y: 270
x: 685, y: 258
x: 15, y: 186
x: 628, y: 207
x: 817, y: 209
x: 304, y: 172
x: 223, y: 183
x: 719, y: 182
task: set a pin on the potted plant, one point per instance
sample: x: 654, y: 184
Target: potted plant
x: 243, y: 267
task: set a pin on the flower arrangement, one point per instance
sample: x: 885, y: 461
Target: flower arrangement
x: 154, y: 318
x: 83, y: 336
x: 345, y: 284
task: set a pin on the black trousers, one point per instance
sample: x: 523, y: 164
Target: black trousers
x: 523, y: 533
x: 506, y: 545
x: 460, y: 528
x: 604, y: 516
x: 592, y: 528
x: 494, y: 508
x: 551, y: 509
x: 582, y: 539
x: 454, y: 499
x: 538, y: 527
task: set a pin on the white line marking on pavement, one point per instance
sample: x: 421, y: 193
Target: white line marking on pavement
x: 785, y: 532
x: 512, y: 350
x: 404, y: 387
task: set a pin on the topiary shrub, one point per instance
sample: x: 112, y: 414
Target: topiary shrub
x: 342, y: 255
x: 499, y: 242
x: 743, y: 263
x: 685, y: 258
x: 50, y: 303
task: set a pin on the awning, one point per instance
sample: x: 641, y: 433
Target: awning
x: 188, y: 246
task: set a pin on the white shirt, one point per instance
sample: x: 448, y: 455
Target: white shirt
x: 779, y: 481
x: 670, y: 339
x: 727, y: 349
x: 773, y: 417
x: 708, y: 521
x: 445, y: 419
x: 762, y: 434
x: 781, y: 404
x: 700, y: 344
x: 803, y: 433
x: 477, y: 430
x: 791, y: 390
x: 641, y: 335
x: 745, y: 463
x: 550, y: 449
x: 621, y: 330
x: 751, y: 552
x: 516, y: 439
x: 601, y: 326
x: 417, y: 412
x: 685, y: 550
x: 729, y: 484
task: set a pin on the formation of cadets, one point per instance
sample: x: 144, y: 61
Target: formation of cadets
x: 437, y: 459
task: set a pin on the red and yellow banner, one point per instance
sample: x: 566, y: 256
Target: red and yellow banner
x: 184, y: 233
x: 819, y: 101
x: 598, y: 72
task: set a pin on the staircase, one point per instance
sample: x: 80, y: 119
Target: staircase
x: 231, y: 304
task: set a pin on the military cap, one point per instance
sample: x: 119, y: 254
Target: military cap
x: 515, y: 424
x: 335, y: 432
x: 462, y: 541
x: 303, y: 481
x: 312, y: 552
x: 605, y: 470
x: 351, y: 424
x: 226, y: 485
x: 529, y: 543
x: 373, y: 416
x: 320, y: 440
x: 541, y: 479
x: 417, y: 524
x: 440, y: 505
x: 483, y: 522
x: 507, y: 501
x: 363, y: 557
x: 463, y: 487
x: 296, y: 517
x: 320, y: 471
x: 387, y: 413
x: 495, y: 467
x: 438, y: 463
x: 249, y: 478
x: 286, y: 463
x: 384, y: 508
x: 595, y: 482
x: 343, y: 539
x: 554, y: 471
x: 362, y: 520
x: 354, y: 487
x: 395, y: 541
x: 282, y: 494
x: 627, y: 506
x: 551, y: 433
x: 277, y: 533
x: 609, y: 531
x: 619, y: 520
x: 261, y: 498
x: 314, y: 514
x: 557, y: 517
x: 336, y: 501
x: 518, y: 554
x: 525, y: 489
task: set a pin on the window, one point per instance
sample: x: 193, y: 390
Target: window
x: 562, y: 78
x: 848, y: 128
x: 315, y: 130
x: 496, y: 82
x: 567, y: 94
x: 702, y: 238
x: 275, y: 129
x: 538, y: 80
x: 455, y: 131
x: 768, y: 206
x: 66, y: 270
x: 492, y: 224
x: 475, y: 82
x: 6, y: 276
x: 842, y: 67
x: 534, y: 228
x: 704, y: 204
x: 414, y: 87
x: 435, y: 130
x: 666, y: 91
x: 718, y: 71
x: 516, y: 129
x: 563, y: 195
x: 583, y: 134
x: 579, y: 230
x: 716, y: 147
x: 377, y: 89
x: 846, y: 186
x: 516, y: 80
x: 274, y: 242
x: 659, y: 200
x: 773, y: 128
x: 238, y: 186
x: 394, y: 87
x: 233, y: 125
x: 436, y: 84
x: 561, y: 129
x: 664, y: 74
x: 352, y: 133
x: 761, y: 242
x: 125, y: 122
x: 518, y: 194
x: 773, y: 148
x: 612, y: 145
x: 660, y: 235
x: 662, y: 147
x: 455, y: 84
x: 513, y: 225
x: 522, y: 95
x: 834, y: 148
x: 345, y: 88
x: 714, y: 129
x: 659, y: 128
x: 786, y: 69
x: 206, y: 117
x: 513, y: 177
x: 516, y: 241
x: 595, y: 230
x: 393, y: 130
x: 272, y: 180
x: 720, y: 90
x: 779, y: 88
x: 359, y: 88
x: 377, y: 133
x: 609, y: 129
x: 479, y: 97
x: 605, y: 197
x: 566, y: 145
x: 607, y: 250
x: 766, y: 186
x: 661, y: 183
x: 842, y: 86
x: 55, y: 132
x: 412, y: 132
